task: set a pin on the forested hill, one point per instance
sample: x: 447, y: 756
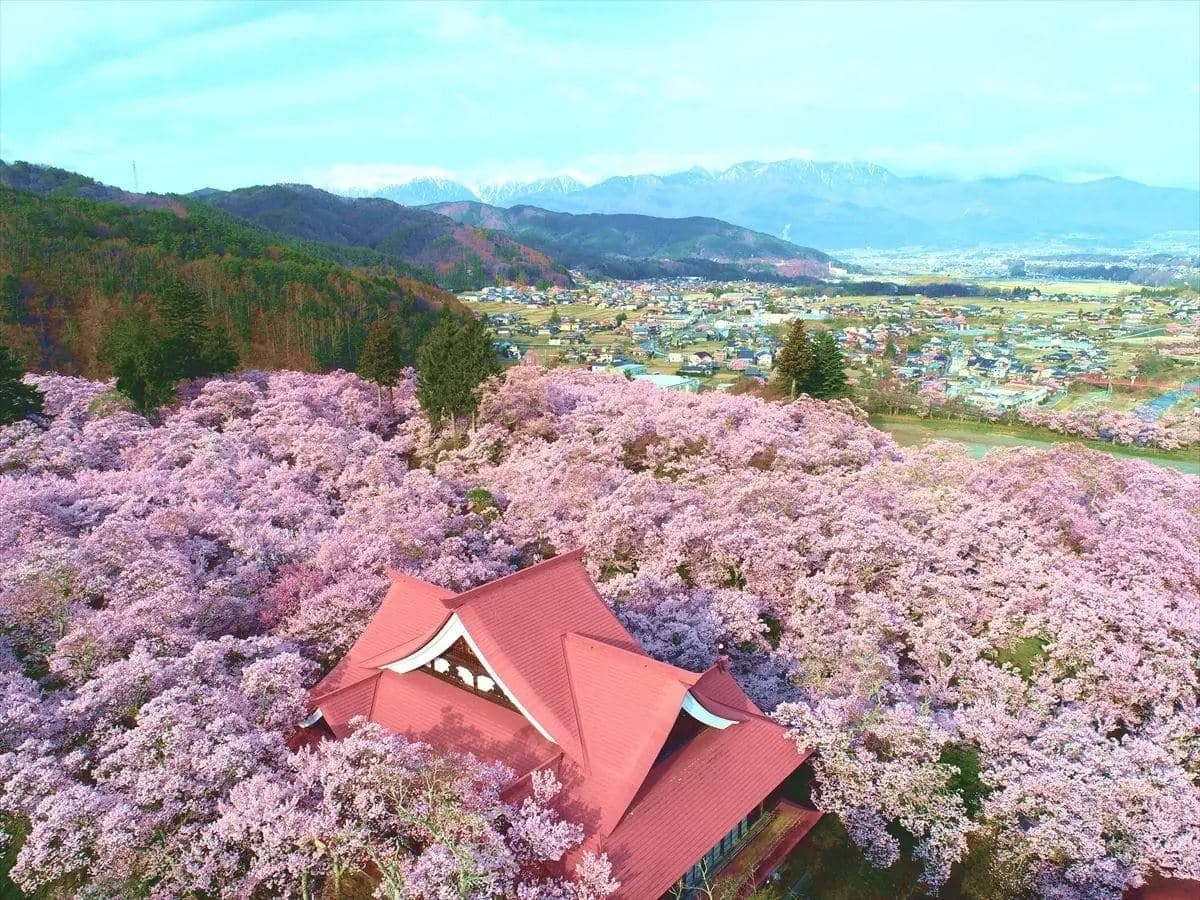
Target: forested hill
x: 463, y: 246
x: 460, y: 256
x: 354, y: 232
x: 69, y: 267
x: 48, y: 181
x: 636, y: 246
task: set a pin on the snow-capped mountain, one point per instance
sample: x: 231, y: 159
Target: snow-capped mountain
x: 851, y: 204
x: 857, y: 204
x: 511, y: 193
x: 425, y: 190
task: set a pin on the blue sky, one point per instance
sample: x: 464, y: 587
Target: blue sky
x: 354, y: 95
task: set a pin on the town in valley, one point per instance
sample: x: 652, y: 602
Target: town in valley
x: 965, y: 340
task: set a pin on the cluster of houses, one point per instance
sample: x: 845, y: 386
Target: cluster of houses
x: 688, y: 333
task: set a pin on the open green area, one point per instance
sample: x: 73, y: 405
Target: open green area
x: 980, y: 437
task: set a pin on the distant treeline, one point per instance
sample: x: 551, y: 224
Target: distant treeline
x: 624, y: 268
x: 892, y: 289
x: 70, y: 267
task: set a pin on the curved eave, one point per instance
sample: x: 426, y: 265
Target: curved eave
x: 693, y: 708
x: 450, y: 632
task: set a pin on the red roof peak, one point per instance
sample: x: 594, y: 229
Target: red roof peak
x: 637, y: 658
x: 489, y: 588
x: 414, y: 587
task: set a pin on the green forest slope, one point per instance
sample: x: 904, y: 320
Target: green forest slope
x: 69, y: 267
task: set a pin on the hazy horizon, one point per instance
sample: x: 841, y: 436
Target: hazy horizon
x: 355, y: 96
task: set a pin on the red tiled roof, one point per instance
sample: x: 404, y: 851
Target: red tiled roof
x: 411, y: 613
x: 519, y: 623
x: 429, y: 709
x: 626, y: 704
x: 696, y: 797
x: 556, y: 646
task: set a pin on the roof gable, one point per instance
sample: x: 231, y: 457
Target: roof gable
x: 518, y: 624
x: 627, y: 704
x: 411, y: 612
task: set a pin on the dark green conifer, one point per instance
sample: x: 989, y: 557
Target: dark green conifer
x: 382, y: 358
x: 18, y: 400
x: 794, y: 365
x: 829, y: 368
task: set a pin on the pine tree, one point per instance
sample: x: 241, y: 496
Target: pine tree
x: 140, y: 355
x: 829, y: 367
x: 478, y: 351
x: 151, y: 354
x: 382, y: 358
x: 435, y: 365
x: 220, y: 355
x: 181, y: 310
x: 18, y: 400
x: 795, y: 363
x: 452, y: 362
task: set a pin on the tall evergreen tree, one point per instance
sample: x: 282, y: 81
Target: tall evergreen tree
x: 478, y: 353
x: 195, y: 347
x: 17, y: 399
x: 435, y: 369
x: 382, y: 358
x: 220, y: 354
x: 795, y: 363
x: 829, y: 367
x: 151, y: 354
x: 455, y: 358
x: 140, y: 356
x: 185, y: 328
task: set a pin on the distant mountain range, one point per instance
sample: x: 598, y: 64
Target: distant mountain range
x: 427, y: 190
x: 512, y: 193
x: 633, y: 246
x: 844, y: 205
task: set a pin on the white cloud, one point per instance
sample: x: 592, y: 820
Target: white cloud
x: 207, y: 47
x: 35, y: 34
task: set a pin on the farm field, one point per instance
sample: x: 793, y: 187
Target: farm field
x: 1080, y: 288
x: 539, y: 315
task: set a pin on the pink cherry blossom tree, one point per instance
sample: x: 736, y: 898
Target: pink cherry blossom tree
x: 169, y: 591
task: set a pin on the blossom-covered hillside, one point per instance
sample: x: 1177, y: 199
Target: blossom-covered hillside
x: 169, y: 589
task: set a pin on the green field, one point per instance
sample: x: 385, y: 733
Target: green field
x: 981, y: 437
x: 1082, y: 288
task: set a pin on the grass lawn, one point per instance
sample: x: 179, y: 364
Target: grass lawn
x: 828, y: 865
x: 980, y: 437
